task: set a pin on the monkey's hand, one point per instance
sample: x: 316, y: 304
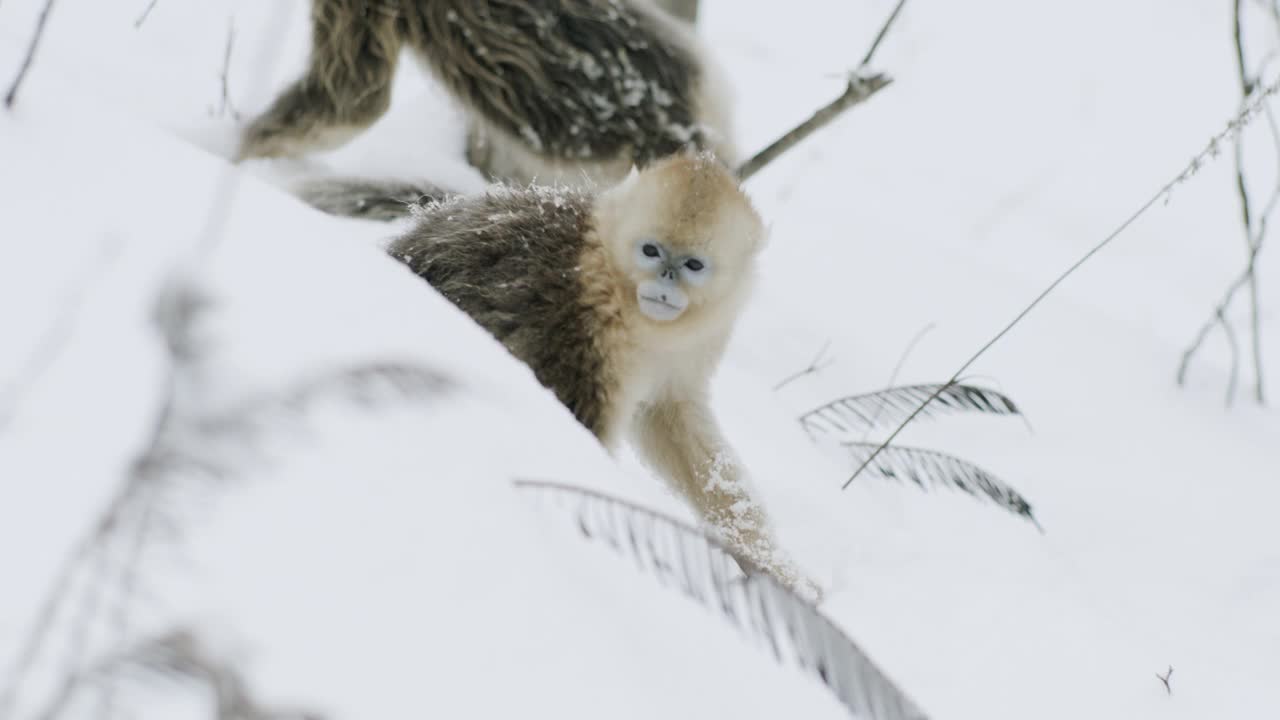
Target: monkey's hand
x: 761, y: 557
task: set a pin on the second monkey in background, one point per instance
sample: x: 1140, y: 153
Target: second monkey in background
x: 561, y: 91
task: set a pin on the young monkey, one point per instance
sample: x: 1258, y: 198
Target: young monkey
x: 622, y: 304
x: 555, y: 90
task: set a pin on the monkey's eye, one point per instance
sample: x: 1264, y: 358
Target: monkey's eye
x: 650, y: 250
x: 694, y: 264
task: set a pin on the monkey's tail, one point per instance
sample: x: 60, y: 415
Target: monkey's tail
x: 368, y: 199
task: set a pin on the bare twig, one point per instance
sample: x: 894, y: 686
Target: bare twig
x: 817, y: 365
x: 226, y: 69
x: 1217, y: 317
x: 860, y: 87
x: 893, y: 376
x: 1237, y: 23
x: 1165, y: 679
x: 884, y: 30
x: 12, y: 95
x: 1210, y: 151
x: 1235, y: 355
x: 49, y: 608
x: 126, y: 583
x: 51, y: 344
x: 145, y: 13
x: 1251, y: 243
x: 1255, y: 229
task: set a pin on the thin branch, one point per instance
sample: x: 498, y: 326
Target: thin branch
x: 1237, y: 21
x: 49, y: 609
x: 226, y: 69
x: 145, y: 13
x: 1211, y: 150
x: 1165, y: 679
x: 1255, y: 228
x: 1215, y: 318
x: 126, y: 583
x: 893, y: 376
x: 884, y: 30
x: 1235, y: 355
x: 50, y: 345
x: 1252, y: 245
x: 12, y: 95
x: 817, y: 365
x: 860, y: 88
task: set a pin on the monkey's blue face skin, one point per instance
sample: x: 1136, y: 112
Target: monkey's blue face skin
x: 664, y: 295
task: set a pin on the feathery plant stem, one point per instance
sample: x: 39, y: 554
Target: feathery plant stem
x: 1250, y: 110
x: 701, y: 567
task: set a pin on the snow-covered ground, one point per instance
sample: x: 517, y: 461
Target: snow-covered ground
x: 382, y: 565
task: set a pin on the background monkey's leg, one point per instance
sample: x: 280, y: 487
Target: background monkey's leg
x: 684, y: 9
x: 355, y: 45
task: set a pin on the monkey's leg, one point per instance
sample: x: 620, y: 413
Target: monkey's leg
x: 355, y: 45
x: 479, y: 150
x: 686, y: 10
x: 680, y: 440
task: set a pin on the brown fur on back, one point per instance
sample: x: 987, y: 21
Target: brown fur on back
x: 574, y: 79
x: 512, y: 260
x: 553, y: 88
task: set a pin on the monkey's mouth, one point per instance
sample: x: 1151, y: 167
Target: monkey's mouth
x: 661, y: 302
x: 656, y: 307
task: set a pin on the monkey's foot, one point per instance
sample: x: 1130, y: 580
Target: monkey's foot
x: 265, y: 138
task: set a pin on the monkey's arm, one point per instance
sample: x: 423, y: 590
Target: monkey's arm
x: 347, y: 85
x: 679, y: 439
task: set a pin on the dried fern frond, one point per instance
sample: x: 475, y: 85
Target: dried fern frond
x: 703, y: 569
x: 207, y: 443
x: 363, y: 385
x: 861, y: 412
x: 929, y: 469
x: 185, y: 442
x: 180, y: 657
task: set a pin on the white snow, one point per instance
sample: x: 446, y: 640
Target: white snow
x: 381, y: 565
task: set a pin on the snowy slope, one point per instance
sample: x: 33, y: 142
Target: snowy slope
x: 396, y: 544
x: 1015, y: 136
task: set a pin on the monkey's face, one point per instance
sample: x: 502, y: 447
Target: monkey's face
x: 690, y: 272
x: 685, y: 237
x: 666, y: 275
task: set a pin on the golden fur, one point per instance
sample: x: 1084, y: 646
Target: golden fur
x: 556, y: 275
x: 660, y: 371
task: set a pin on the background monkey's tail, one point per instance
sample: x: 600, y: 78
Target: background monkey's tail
x: 368, y: 199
